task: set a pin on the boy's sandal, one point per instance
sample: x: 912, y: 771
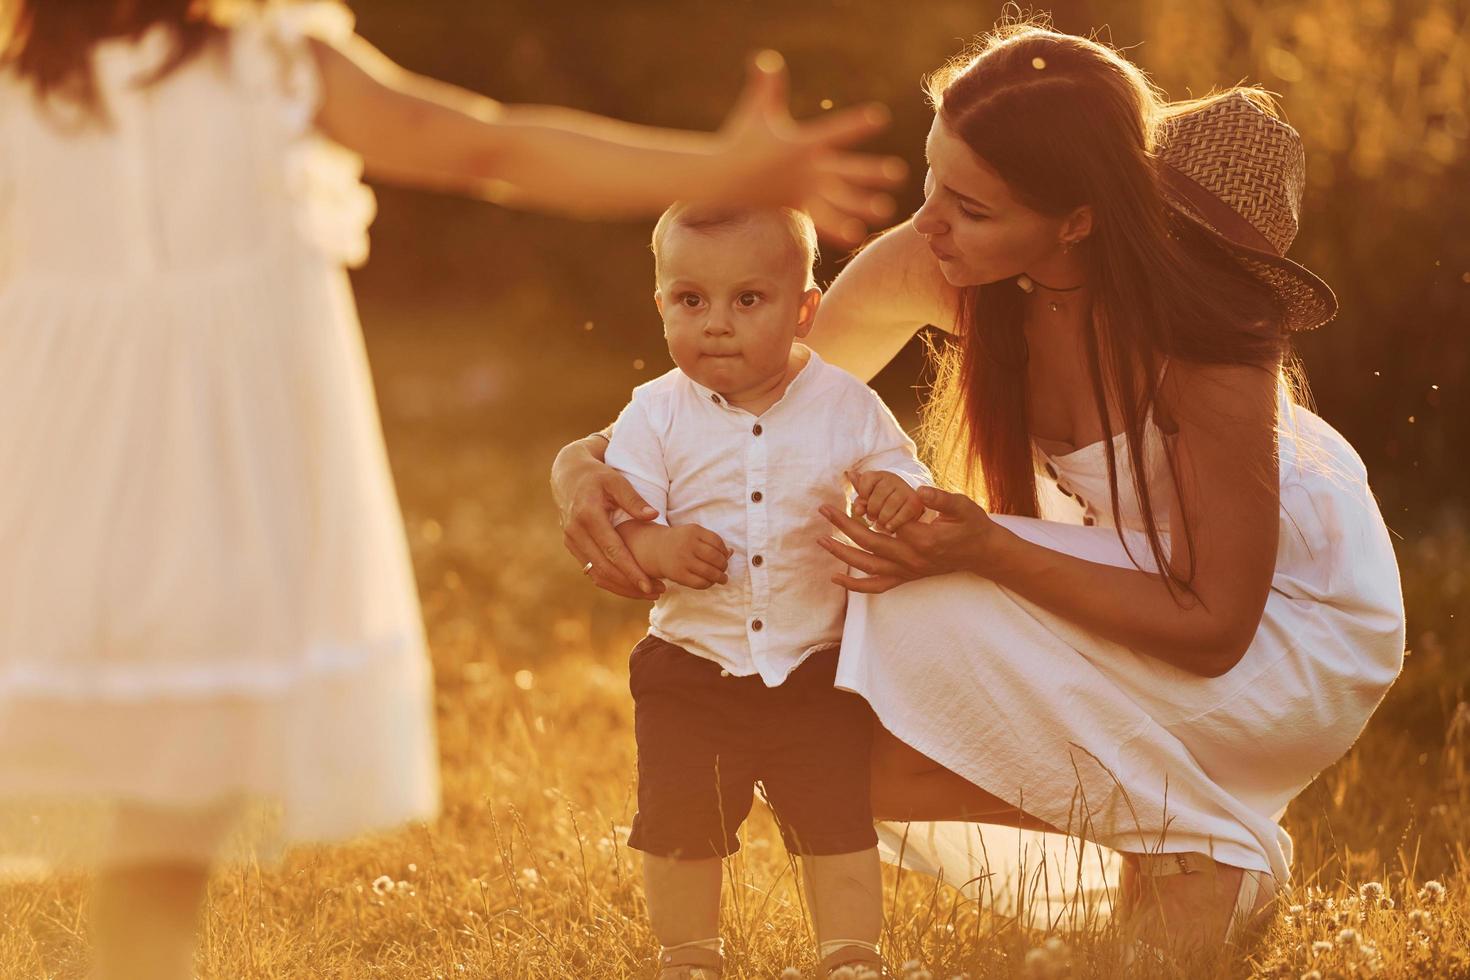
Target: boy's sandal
x: 857, y: 959
x: 691, y: 964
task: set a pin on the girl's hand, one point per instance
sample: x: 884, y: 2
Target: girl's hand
x: 587, y: 493
x: 962, y: 539
x: 885, y: 499
x: 773, y: 159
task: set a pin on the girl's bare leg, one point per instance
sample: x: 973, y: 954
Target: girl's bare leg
x: 149, y: 893
x: 145, y: 919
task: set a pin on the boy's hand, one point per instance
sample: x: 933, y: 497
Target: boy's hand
x: 692, y: 556
x: 885, y: 499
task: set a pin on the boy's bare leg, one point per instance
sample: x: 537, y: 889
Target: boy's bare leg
x: 683, y: 898
x: 845, y: 892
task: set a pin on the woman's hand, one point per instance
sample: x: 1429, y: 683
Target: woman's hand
x: 587, y: 492
x: 961, y: 539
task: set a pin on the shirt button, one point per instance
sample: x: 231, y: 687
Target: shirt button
x: 756, y: 497
x: 757, y: 625
x: 757, y: 429
x: 1088, y: 520
x: 715, y: 399
x: 757, y: 560
x: 724, y: 673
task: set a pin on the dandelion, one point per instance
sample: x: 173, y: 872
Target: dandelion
x: 1318, y: 903
x: 1296, y: 910
x: 912, y: 970
x: 1312, y: 975
x: 791, y: 973
x: 382, y: 885
x: 531, y: 876
x: 1420, y: 919
x: 1048, y: 960
x: 1370, y: 891
x: 1321, y: 947
x: 1347, y: 937
x: 1432, y: 893
x: 843, y: 973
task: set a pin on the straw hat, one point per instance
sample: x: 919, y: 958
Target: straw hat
x: 1238, y: 172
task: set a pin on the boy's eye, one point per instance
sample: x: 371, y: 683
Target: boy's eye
x: 748, y: 299
x: 973, y: 215
x: 690, y: 300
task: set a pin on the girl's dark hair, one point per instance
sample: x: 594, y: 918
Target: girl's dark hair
x: 49, y: 42
x: 1067, y: 121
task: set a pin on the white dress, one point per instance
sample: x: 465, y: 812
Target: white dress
x: 1043, y: 713
x: 206, y: 601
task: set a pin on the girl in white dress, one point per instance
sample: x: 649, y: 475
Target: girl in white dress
x: 1179, y: 602
x: 208, y: 621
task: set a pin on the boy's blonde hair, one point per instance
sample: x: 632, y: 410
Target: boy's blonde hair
x: 703, y: 217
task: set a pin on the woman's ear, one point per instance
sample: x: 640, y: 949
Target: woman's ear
x: 1078, y: 224
x: 806, y: 314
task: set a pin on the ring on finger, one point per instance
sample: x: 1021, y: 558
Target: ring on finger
x: 587, y: 569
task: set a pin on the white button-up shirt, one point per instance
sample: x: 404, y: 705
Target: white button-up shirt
x: 757, y: 483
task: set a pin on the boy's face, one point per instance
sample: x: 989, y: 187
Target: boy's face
x: 733, y: 299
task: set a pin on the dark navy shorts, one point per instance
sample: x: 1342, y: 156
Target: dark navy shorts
x: 704, y: 740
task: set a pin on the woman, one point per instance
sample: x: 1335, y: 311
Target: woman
x: 1178, y: 602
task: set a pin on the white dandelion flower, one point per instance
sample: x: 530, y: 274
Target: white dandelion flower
x: 1347, y: 937
x: 382, y: 885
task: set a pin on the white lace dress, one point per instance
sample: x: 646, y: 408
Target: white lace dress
x: 206, y: 601
x: 1123, y: 749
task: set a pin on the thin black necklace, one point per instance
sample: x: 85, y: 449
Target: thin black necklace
x: 1028, y: 284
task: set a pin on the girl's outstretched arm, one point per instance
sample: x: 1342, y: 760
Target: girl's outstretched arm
x: 423, y: 132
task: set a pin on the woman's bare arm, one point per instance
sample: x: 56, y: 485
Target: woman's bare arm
x: 423, y: 132
x: 1225, y: 454
x: 892, y: 289
x: 587, y: 491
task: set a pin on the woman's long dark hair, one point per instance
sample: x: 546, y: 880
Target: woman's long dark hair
x: 1066, y: 121
x: 49, y: 42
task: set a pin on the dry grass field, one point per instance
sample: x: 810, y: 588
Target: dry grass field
x: 527, y: 873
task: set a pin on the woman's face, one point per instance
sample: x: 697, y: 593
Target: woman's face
x: 977, y: 230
